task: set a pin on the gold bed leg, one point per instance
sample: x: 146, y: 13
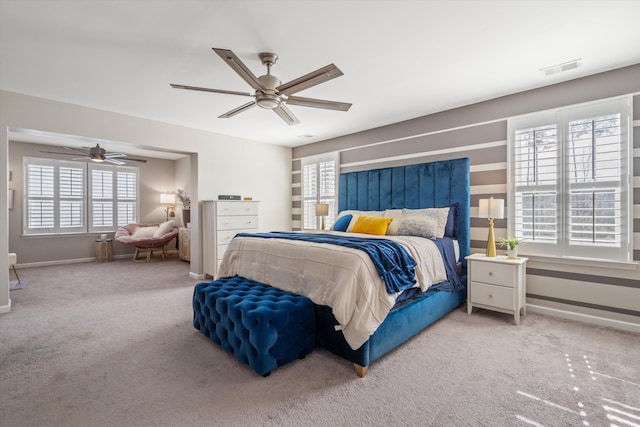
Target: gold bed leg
x: 361, y: 371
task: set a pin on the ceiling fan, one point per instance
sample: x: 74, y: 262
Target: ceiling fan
x: 270, y: 93
x: 97, y: 154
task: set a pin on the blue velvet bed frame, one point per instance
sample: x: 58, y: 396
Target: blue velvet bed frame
x: 425, y: 185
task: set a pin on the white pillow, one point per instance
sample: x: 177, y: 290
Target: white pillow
x: 144, y: 232
x: 163, y: 229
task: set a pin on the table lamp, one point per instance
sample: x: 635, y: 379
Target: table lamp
x: 322, y: 210
x: 493, y: 209
x: 168, y: 199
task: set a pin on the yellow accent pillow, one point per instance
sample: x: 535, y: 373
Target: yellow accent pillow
x: 371, y: 225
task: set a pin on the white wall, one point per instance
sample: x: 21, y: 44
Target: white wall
x: 225, y: 165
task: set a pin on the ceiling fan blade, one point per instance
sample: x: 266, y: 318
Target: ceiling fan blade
x: 286, y: 115
x: 115, y: 161
x: 318, y: 103
x: 81, y: 158
x: 58, y: 152
x: 115, y: 155
x: 238, y: 66
x: 238, y: 110
x: 321, y: 75
x: 204, y: 89
x: 131, y: 159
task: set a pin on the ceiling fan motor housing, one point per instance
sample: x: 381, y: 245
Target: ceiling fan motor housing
x: 269, y: 99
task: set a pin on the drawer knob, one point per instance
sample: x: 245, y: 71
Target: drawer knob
x: 490, y: 295
x: 491, y: 273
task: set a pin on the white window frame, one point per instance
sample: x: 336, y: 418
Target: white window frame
x: 84, y: 199
x: 308, y: 219
x: 562, y: 246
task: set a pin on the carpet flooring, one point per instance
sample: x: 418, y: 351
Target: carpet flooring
x: 113, y: 344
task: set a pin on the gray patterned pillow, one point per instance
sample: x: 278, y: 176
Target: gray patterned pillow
x: 421, y: 226
x: 439, y: 214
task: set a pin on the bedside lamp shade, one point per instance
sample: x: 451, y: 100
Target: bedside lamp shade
x: 322, y: 210
x: 492, y: 209
x: 167, y: 198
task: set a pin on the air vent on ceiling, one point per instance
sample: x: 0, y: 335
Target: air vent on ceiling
x: 554, y: 69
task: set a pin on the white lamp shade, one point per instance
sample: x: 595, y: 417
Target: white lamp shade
x: 491, y: 208
x: 322, y: 209
x: 168, y: 198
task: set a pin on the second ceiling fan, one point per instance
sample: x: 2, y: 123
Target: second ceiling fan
x: 270, y: 93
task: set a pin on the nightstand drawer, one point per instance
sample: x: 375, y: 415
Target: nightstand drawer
x: 491, y: 295
x: 493, y: 273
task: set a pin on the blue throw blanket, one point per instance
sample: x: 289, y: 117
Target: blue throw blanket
x: 393, y: 263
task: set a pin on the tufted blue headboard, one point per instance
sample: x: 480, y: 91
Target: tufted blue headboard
x: 425, y: 185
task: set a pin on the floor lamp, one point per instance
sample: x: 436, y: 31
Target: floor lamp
x: 493, y: 209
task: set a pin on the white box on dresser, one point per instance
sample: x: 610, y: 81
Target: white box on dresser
x: 222, y: 220
x: 497, y: 283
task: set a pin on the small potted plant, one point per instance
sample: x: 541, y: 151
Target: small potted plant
x: 511, y: 243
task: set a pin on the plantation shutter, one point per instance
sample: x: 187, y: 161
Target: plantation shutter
x: 596, y: 183
x: 536, y: 169
x: 310, y: 196
x: 40, y: 212
x: 101, y: 198
x: 127, y: 184
x: 71, y: 185
x: 328, y: 189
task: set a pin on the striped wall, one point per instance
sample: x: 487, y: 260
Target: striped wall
x: 603, y: 293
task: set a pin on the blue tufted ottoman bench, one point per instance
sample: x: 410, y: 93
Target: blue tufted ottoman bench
x: 260, y: 325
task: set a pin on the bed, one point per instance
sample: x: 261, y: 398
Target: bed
x: 357, y: 318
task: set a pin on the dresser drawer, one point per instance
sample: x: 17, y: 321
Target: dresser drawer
x: 236, y: 208
x: 493, y: 273
x: 225, y: 236
x: 237, y: 222
x: 491, y: 295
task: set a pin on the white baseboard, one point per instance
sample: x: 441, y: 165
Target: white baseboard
x: 197, y: 276
x: 58, y: 262
x: 5, y: 308
x: 79, y: 260
x: 586, y: 318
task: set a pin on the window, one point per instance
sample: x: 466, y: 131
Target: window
x: 76, y: 197
x: 570, y: 177
x: 319, y: 184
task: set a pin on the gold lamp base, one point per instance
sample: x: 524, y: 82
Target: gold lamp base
x: 491, y: 241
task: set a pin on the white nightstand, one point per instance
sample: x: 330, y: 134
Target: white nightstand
x: 497, y: 284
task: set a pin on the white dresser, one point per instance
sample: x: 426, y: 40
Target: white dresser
x: 497, y: 283
x: 222, y: 220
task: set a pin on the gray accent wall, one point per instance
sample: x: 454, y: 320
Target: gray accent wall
x: 479, y: 131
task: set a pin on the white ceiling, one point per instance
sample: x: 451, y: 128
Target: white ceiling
x: 401, y: 59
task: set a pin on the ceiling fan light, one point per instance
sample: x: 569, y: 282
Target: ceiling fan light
x: 268, y: 101
x: 97, y: 159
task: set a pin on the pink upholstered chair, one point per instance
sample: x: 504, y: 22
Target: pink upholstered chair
x: 147, y: 236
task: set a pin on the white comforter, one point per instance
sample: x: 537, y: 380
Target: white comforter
x: 344, y: 279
